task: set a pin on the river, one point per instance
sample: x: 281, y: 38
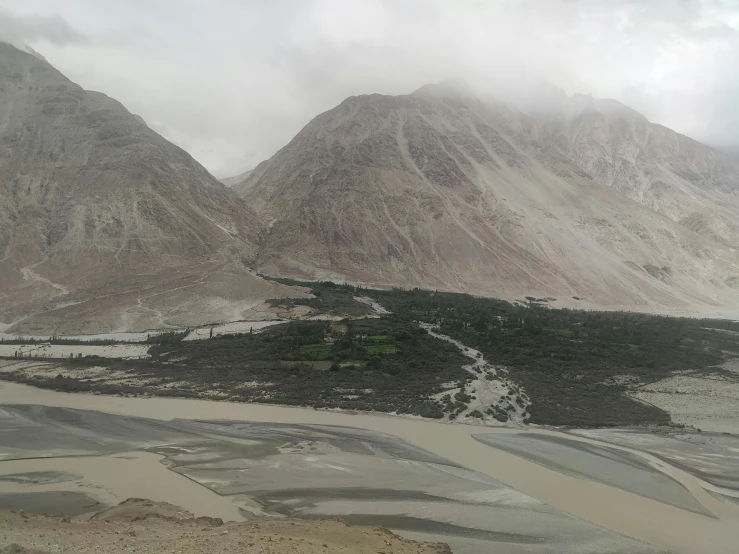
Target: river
x: 638, y: 517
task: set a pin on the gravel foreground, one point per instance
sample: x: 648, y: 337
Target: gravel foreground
x: 143, y: 526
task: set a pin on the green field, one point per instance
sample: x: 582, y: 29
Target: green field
x: 319, y: 365
x: 376, y: 338
x: 381, y: 349
x: 316, y: 351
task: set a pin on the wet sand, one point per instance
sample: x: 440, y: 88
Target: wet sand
x: 713, y: 457
x: 106, y: 481
x: 602, y: 464
x: 50, y: 503
x: 607, y: 506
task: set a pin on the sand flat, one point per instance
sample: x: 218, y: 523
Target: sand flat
x: 705, y: 403
x: 233, y: 327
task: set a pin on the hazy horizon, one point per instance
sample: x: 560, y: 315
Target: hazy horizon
x: 232, y: 82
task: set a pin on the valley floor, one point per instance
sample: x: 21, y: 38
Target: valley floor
x: 419, y: 353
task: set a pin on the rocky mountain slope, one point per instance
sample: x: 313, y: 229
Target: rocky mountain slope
x: 103, y: 219
x: 585, y: 201
x: 672, y: 174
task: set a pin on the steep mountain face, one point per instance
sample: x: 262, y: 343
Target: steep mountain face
x: 93, y: 204
x: 667, y: 172
x: 439, y: 189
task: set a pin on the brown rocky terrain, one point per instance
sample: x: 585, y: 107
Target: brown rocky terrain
x: 143, y: 526
x: 99, y: 211
x: 105, y: 226
x: 588, y: 203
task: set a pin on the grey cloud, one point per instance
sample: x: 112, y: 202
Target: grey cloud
x: 232, y: 81
x: 18, y: 30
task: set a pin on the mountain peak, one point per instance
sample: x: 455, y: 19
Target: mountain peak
x: 551, y: 100
x: 33, y: 53
x: 450, y: 89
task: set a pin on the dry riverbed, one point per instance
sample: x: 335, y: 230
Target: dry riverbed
x: 491, y: 392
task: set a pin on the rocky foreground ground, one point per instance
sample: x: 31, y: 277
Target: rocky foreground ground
x: 144, y: 527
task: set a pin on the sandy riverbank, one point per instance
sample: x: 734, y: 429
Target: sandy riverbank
x: 143, y: 526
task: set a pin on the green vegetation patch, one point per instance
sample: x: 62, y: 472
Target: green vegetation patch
x: 316, y: 351
x: 568, y: 361
x: 172, y: 337
x: 381, y: 349
x: 385, y: 364
x: 576, y: 366
x: 330, y: 299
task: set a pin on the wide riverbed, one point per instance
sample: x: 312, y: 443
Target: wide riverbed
x: 675, y: 512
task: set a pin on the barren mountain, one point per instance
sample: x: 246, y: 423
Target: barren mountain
x: 591, y: 204
x: 103, y: 219
x: 670, y: 173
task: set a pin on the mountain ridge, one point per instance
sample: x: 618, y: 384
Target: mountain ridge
x: 478, y: 177
x: 92, y: 200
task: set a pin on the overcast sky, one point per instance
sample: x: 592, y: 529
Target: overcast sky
x: 232, y: 81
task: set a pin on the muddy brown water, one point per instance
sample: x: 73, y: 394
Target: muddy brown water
x: 634, y: 516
